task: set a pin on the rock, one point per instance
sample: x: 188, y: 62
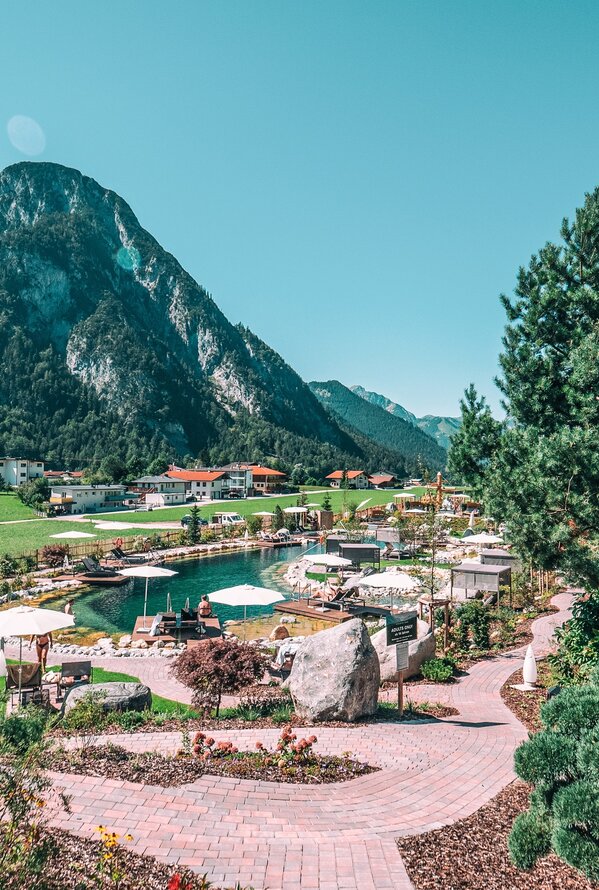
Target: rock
x: 288, y: 619
x: 125, y: 641
x: 279, y: 633
x: 113, y: 696
x: 139, y: 644
x: 105, y: 643
x: 158, y: 644
x: 420, y: 650
x: 169, y: 645
x: 336, y: 675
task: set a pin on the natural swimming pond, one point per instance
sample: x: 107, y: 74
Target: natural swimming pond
x: 114, y: 609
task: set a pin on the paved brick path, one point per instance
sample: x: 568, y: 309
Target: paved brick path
x: 335, y: 837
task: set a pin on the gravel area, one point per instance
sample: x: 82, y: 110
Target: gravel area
x: 472, y: 854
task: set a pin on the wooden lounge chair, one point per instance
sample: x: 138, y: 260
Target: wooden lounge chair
x: 30, y: 682
x: 92, y: 567
x: 73, y: 673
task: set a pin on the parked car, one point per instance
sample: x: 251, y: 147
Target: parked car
x: 227, y: 519
x: 185, y: 520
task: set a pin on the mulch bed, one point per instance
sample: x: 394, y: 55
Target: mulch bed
x: 73, y: 866
x: 114, y: 762
x: 472, y: 854
x: 526, y: 705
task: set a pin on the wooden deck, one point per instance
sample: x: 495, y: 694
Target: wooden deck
x: 185, y: 635
x: 102, y: 580
x: 277, y: 544
x: 306, y: 610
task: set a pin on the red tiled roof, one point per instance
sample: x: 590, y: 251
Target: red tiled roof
x: 380, y: 478
x: 351, y: 474
x: 265, y: 471
x: 195, y: 475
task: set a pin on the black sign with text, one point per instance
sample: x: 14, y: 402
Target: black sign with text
x: 401, y: 628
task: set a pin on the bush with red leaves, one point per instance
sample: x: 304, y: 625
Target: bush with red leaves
x: 216, y: 667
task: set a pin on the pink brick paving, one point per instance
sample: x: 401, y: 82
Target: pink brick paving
x: 335, y: 837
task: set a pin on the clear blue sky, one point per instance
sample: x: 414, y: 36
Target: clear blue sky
x: 356, y: 182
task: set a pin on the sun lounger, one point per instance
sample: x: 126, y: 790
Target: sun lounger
x: 94, y: 568
x: 121, y: 556
x: 29, y: 678
x: 73, y: 673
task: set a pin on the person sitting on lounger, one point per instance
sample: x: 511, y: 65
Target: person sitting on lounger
x: 204, y: 609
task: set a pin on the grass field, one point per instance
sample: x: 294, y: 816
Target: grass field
x: 26, y: 536
x: 159, y: 705
x: 11, y: 508
x: 252, y: 505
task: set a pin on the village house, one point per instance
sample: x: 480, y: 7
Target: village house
x: 355, y: 479
x: 64, y: 475
x: 266, y: 480
x: 382, y: 480
x: 159, y: 491
x: 72, y: 499
x: 202, y: 484
x: 17, y: 471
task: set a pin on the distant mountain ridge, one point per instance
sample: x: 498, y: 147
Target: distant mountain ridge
x: 442, y: 429
x: 109, y: 348
x: 380, y: 425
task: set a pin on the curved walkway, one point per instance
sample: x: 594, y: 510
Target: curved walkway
x: 332, y: 837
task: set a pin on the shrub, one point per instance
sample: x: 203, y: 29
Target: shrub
x: 217, y: 667
x: 54, y: 554
x: 562, y: 762
x: 473, y: 622
x: 439, y: 670
x: 8, y: 566
x: 23, y: 729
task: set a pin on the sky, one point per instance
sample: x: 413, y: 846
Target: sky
x: 356, y: 182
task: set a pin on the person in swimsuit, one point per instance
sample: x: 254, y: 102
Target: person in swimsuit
x: 43, y: 642
x: 204, y: 609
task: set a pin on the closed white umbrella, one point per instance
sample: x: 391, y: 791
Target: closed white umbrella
x: 327, y: 559
x: 245, y: 595
x: 74, y: 534
x: 25, y: 621
x: 146, y: 572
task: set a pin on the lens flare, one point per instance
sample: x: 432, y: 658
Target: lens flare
x: 26, y: 135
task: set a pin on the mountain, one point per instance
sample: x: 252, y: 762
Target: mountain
x: 440, y: 428
x: 379, y: 425
x: 110, y: 350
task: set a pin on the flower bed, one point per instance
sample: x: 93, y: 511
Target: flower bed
x: 293, y: 760
x: 526, y: 705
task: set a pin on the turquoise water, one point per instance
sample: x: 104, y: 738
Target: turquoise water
x: 114, y: 609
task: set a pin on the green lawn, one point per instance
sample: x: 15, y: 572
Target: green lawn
x: 11, y: 508
x: 246, y: 507
x: 159, y: 705
x: 26, y: 536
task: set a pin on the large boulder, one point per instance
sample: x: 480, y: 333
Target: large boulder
x: 420, y: 650
x: 113, y: 696
x: 335, y: 674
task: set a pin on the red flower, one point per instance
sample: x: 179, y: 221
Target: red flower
x: 175, y: 882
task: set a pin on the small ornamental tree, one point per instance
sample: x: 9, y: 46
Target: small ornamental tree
x: 193, y: 531
x: 562, y: 762
x: 54, y: 554
x: 216, y: 667
x: 326, y: 502
x: 278, y: 520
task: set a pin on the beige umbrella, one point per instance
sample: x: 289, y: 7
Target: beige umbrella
x: 74, y: 534
x: 25, y: 621
x: 245, y: 595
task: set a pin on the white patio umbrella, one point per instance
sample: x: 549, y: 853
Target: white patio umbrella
x: 295, y: 510
x: 74, y: 534
x: 391, y: 581
x: 327, y: 559
x: 484, y: 538
x: 263, y: 513
x: 25, y: 621
x: 416, y: 510
x: 146, y: 572
x: 403, y: 495
x: 245, y: 595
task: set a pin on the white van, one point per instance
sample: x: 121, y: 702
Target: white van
x: 227, y: 519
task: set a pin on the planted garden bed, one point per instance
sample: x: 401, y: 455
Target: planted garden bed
x: 527, y: 705
x: 293, y: 760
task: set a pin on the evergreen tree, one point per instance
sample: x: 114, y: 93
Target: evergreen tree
x: 476, y: 441
x: 193, y: 526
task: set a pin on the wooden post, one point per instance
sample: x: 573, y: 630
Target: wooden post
x: 446, y: 629
x: 400, y: 694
